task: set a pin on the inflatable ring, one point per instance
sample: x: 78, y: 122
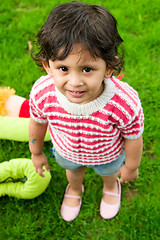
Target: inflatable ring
x: 19, y: 179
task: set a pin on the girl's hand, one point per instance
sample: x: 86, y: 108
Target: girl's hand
x: 127, y: 175
x: 39, y: 161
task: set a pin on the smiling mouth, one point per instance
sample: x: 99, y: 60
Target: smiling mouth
x: 76, y: 93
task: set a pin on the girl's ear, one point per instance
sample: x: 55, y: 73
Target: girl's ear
x: 109, y: 72
x: 47, y: 68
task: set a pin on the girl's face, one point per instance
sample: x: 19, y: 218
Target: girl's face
x: 79, y: 77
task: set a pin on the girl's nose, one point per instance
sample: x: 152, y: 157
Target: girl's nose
x: 76, y: 80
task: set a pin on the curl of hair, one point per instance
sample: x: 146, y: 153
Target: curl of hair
x: 91, y: 26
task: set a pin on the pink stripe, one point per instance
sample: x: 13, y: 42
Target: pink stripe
x: 123, y: 103
x: 89, y: 129
x: 82, y: 152
x: 40, y: 82
x: 119, y: 86
x: 41, y: 93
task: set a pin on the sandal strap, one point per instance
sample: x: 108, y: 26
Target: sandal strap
x: 72, y: 196
x: 115, y: 194
x: 112, y: 194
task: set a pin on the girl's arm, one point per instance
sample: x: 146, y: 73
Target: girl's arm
x: 37, y: 133
x: 133, y: 154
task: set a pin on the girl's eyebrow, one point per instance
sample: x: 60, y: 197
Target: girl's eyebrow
x: 81, y: 66
x: 60, y: 63
x: 90, y: 64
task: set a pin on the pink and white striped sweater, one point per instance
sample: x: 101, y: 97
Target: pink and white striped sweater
x: 92, y: 133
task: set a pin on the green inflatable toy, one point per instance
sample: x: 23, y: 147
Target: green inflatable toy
x: 14, y: 116
x: 19, y: 179
x: 15, y: 128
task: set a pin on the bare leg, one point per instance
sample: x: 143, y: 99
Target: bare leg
x: 75, y: 179
x: 110, y: 185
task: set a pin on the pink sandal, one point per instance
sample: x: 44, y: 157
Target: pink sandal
x: 109, y: 211
x: 70, y: 213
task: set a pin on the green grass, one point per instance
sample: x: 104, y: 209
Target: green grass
x: 139, y: 215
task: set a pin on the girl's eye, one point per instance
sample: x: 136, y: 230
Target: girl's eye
x: 87, y: 69
x: 63, y: 69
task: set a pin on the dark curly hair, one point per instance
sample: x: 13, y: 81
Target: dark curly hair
x: 91, y: 26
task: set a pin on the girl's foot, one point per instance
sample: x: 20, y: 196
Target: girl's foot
x: 71, y: 205
x: 72, y: 201
x: 111, y: 199
x: 110, y: 202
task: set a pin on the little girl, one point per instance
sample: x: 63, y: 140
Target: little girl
x: 94, y: 119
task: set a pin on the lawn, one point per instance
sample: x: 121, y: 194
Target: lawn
x: 139, y: 215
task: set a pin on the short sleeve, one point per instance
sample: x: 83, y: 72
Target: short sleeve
x: 36, y: 109
x: 135, y: 126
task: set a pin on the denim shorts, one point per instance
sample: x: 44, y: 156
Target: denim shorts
x: 103, y: 169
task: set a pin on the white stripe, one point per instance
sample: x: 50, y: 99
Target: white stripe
x: 37, y: 119
x: 92, y: 153
x: 81, y: 144
x: 63, y: 124
x: 83, y: 138
x: 88, y: 152
x: 41, y: 84
x: 127, y: 98
x: 135, y: 136
x: 86, y: 158
x: 63, y: 115
x: 83, y: 132
x: 45, y: 96
x: 121, y: 108
x: 116, y: 117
